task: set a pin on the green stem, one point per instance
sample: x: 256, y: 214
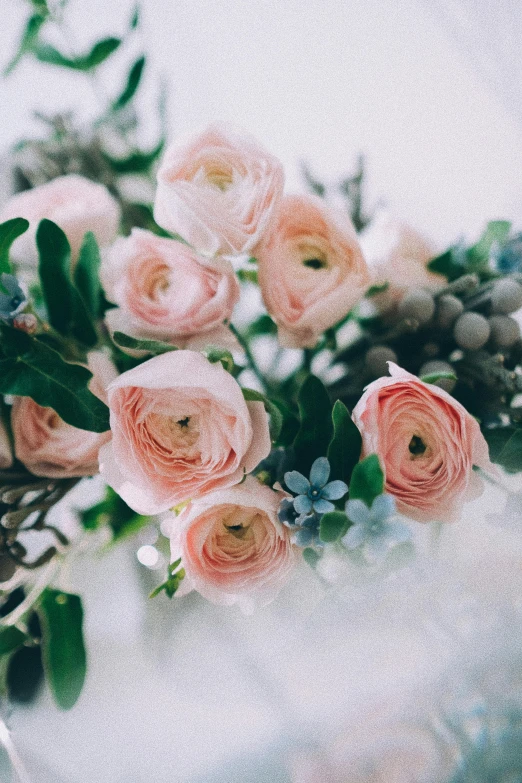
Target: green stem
x: 249, y: 356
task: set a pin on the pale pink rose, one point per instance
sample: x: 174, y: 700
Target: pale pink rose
x: 6, y: 454
x: 311, y: 270
x: 181, y: 428
x: 165, y: 291
x: 218, y: 191
x: 398, y: 255
x: 428, y: 444
x: 74, y: 203
x: 232, y: 546
x: 50, y: 447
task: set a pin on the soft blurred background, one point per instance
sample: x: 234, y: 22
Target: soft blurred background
x: 431, y: 92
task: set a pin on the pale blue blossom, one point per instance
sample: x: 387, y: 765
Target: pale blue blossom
x: 305, y: 527
x: 374, y: 529
x: 315, y: 494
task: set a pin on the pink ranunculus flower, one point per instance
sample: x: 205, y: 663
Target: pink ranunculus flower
x: 6, y: 454
x: 181, y: 428
x: 74, y: 203
x: 311, y: 270
x: 428, y: 444
x: 218, y: 191
x: 232, y: 546
x: 50, y: 447
x: 397, y: 254
x: 166, y: 291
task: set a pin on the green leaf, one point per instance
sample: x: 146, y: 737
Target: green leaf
x: 9, y: 231
x: 113, y: 512
x: 221, y: 355
x: 344, y: 450
x: 65, y: 307
x: 315, y: 432
x: 135, y: 18
x: 333, y: 526
x: 154, y: 347
x: 136, y: 162
x: 87, y: 274
x: 32, y: 369
x: 448, y: 264
x: 377, y: 289
x: 276, y: 417
x: 40, y: 6
x: 132, y: 85
x: 46, y: 53
x: 262, y: 325
x: 367, y: 480
x: 248, y: 276
x: 433, y: 377
x: 63, y: 648
x: 29, y: 38
x: 173, y: 581
x: 505, y: 447
x: 496, y: 231
x: 10, y: 639
x: 311, y: 557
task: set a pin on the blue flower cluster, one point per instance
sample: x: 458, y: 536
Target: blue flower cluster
x: 375, y: 530
x: 12, y: 302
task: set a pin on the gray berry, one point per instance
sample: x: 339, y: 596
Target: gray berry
x: 449, y: 308
x: 7, y: 568
x: 506, y: 296
x: 377, y: 358
x: 471, y: 331
x: 417, y: 304
x: 505, y: 331
x: 430, y: 368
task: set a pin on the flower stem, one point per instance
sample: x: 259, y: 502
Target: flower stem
x: 249, y: 356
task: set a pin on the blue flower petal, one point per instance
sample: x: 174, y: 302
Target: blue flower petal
x: 307, y: 520
x: 357, y: 512
x: 320, y: 472
x: 302, y: 504
x: 296, y: 482
x: 334, y: 490
x: 376, y: 549
x: 398, y: 532
x: 354, y: 537
x: 303, y: 537
x: 383, y: 507
x: 323, y: 506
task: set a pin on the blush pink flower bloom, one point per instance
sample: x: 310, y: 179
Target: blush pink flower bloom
x: 428, y: 444
x: 232, y: 546
x: 166, y: 291
x: 74, y: 203
x: 218, y: 191
x: 311, y: 270
x: 181, y: 428
x: 50, y: 447
x: 6, y: 454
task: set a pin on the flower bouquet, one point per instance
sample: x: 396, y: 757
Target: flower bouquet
x: 269, y: 377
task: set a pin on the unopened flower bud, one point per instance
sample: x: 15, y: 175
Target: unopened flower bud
x: 433, y: 367
x: 471, y: 331
x: 449, y: 308
x: 377, y: 358
x: 25, y: 322
x: 505, y: 331
x: 506, y: 296
x: 417, y: 304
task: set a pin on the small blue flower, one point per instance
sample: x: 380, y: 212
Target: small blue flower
x: 305, y: 526
x: 315, y: 494
x: 372, y: 530
x: 14, y: 300
x: 507, y: 258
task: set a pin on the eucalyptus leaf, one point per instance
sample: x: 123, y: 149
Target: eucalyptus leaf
x: 344, y: 450
x: 9, y: 231
x: 154, y: 347
x: 316, y: 429
x: 367, y: 480
x: 333, y: 526
x: 101, y: 50
x: 276, y: 417
x: 133, y: 81
x: 10, y: 639
x: 63, y: 648
x: 32, y: 369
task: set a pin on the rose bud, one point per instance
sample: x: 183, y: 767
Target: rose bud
x: 181, y: 428
x: 311, y: 270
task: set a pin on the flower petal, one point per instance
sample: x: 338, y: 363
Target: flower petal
x: 323, y: 506
x: 303, y: 537
x: 357, y: 512
x: 319, y: 472
x: 398, y: 532
x: 307, y: 520
x: 334, y: 490
x: 383, y: 507
x: 354, y: 537
x: 296, y: 482
x: 302, y: 504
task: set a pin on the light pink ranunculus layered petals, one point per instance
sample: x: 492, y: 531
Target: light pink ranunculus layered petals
x: 74, y: 203
x: 428, y: 444
x: 50, y: 447
x: 6, y: 454
x: 397, y: 254
x: 311, y: 270
x: 218, y: 191
x: 181, y: 428
x: 232, y: 546
x: 166, y: 291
